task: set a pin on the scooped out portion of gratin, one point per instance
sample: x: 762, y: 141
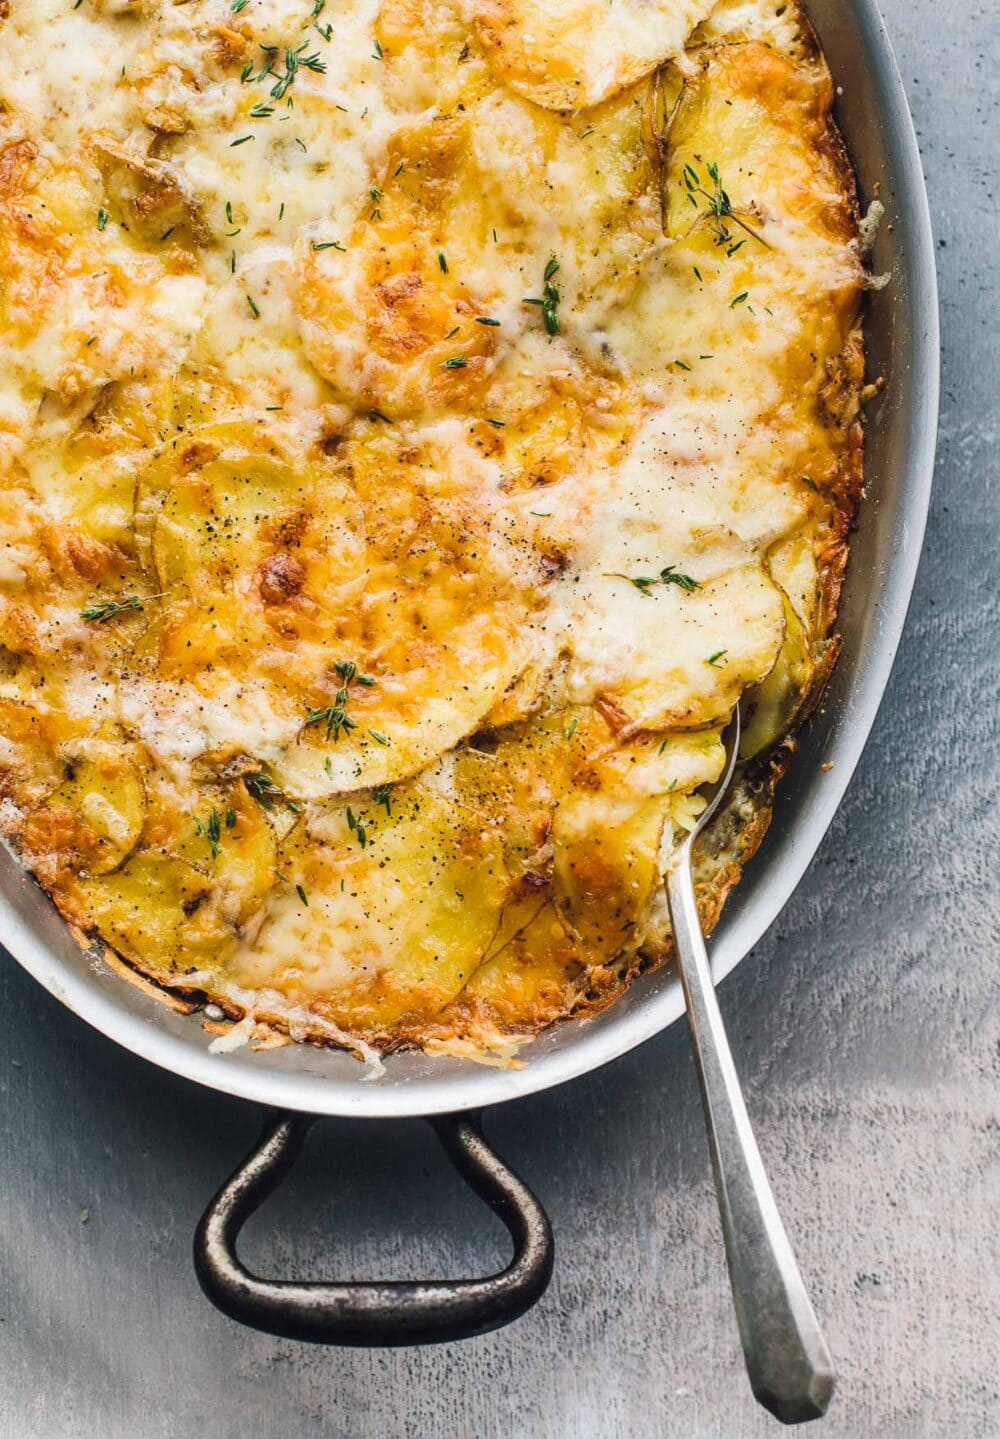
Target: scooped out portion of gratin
x: 421, y: 423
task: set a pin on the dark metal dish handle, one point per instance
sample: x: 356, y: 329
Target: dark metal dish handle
x: 383, y: 1314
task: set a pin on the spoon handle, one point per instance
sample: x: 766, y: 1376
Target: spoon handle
x: 790, y: 1368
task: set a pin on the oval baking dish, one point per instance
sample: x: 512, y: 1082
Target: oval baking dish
x: 902, y: 339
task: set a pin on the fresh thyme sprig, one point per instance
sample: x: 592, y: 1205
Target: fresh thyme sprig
x: 263, y: 789
x: 357, y: 828
x: 210, y: 830
x: 720, y: 208
x: 549, y: 300
x: 110, y: 610
x: 335, y: 716
x: 669, y: 575
x: 318, y: 7
x: 295, y: 60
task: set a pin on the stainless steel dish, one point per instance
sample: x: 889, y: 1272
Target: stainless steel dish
x: 903, y: 346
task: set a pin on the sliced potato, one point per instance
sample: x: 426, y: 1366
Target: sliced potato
x: 209, y: 528
x: 613, y: 827
x: 438, y: 633
x: 792, y: 564
x: 581, y: 817
x: 609, y: 803
x: 384, y: 917
x: 728, y: 638
x: 245, y: 869
x: 606, y: 866
x: 462, y: 233
x: 179, y: 910
x: 232, y: 840
x: 569, y: 54
x: 742, y: 101
x: 537, y: 973
x: 374, y: 609
x: 155, y: 195
x: 157, y: 911
x: 511, y: 792
x: 778, y: 24
x: 574, y: 422
x: 674, y: 659
x: 426, y: 60
x: 30, y: 740
x: 770, y: 707
x: 763, y: 258
x: 228, y: 507
x: 104, y: 791
x: 604, y: 169
x: 258, y: 555
x: 92, y: 503
x: 386, y: 318
x: 404, y: 723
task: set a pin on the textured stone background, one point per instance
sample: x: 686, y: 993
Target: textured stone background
x: 865, y: 1026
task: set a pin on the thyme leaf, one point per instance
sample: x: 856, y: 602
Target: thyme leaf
x: 210, y: 829
x: 669, y: 575
x: 263, y: 789
x: 719, y: 208
x: 110, y: 610
x: 335, y: 716
x: 548, y: 302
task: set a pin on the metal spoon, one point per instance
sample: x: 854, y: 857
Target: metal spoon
x: 790, y: 1368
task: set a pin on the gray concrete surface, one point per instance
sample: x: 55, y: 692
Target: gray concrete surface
x: 865, y: 1026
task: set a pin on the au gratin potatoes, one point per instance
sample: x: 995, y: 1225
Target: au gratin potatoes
x: 420, y: 424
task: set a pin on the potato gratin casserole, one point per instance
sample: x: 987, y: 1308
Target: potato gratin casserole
x: 421, y: 422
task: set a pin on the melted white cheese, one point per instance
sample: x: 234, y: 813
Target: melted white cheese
x: 561, y: 429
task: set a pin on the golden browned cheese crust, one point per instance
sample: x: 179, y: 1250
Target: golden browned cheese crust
x: 417, y: 435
